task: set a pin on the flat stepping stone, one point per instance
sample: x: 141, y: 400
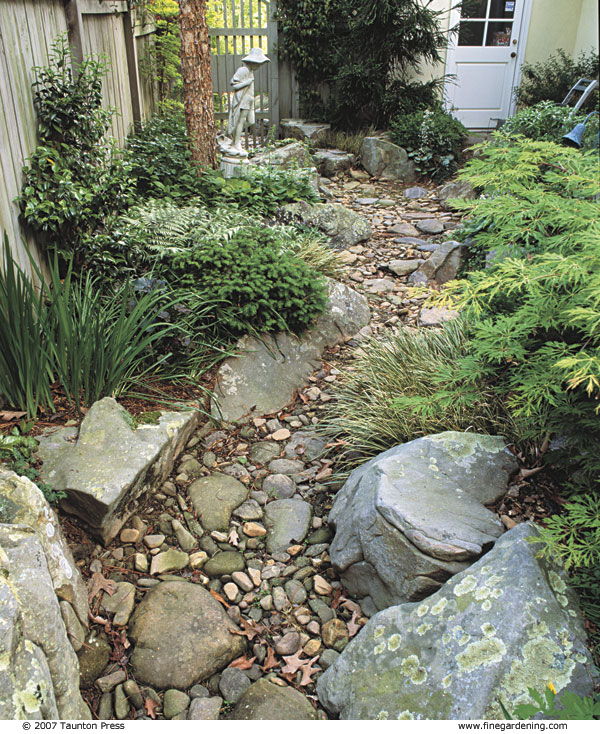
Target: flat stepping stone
x: 215, y: 497
x: 405, y: 229
x: 305, y: 444
x: 410, y: 241
x: 366, y: 201
x: 415, y: 192
x: 264, y: 452
x: 404, y: 267
x: 430, y: 226
x: 288, y: 522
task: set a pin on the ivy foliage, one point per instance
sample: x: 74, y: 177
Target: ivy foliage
x: 361, y: 50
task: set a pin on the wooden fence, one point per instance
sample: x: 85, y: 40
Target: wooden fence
x: 28, y: 28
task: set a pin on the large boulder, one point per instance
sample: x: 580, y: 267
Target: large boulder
x: 264, y: 701
x: 269, y: 370
x: 182, y: 635
x: 506, y: 624
x: 330, y: 161
x: 443, y: 264
x: 384, y: 159
x: 413, y: 516
x: 40, y: 588
x: 286, y: 156
x: 108, y: 464
x: 303, y: 130
x: 455, y: 190
x: 344, y: 227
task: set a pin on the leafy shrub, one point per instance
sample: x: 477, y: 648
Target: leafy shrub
x: 549, y: 121
x: 159, y: 155
x: 433, y: 139
x: 265, y: 189
x: 349, y: 46
x: 374, y: 404
x: 74, y: 182
x: 551, y: 79
x: 567, y: 706
x: 265, y: 289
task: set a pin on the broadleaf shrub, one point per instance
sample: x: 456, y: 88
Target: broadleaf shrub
x: 549, y: 121
x: 433, y: 139
x: 260, y: 287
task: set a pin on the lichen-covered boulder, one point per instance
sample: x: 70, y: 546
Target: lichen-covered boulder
x: 410, y: 518
x: 108, y: 464
x: 269, y: 370
x: 40, y: 585
x: 384, y: 159
x: 506, y: 624
x: 330, y: 161
x: 344, y: 227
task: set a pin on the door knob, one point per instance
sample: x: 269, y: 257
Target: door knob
x: 513, y: 55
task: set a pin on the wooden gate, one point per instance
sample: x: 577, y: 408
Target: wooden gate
x: 235, y: 27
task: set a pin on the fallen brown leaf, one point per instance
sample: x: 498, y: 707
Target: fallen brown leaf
x: 352, y: 625
x: 234, y: 538
x: 98, y: 583
x: 242, y: 663
x: 248, y: 630
x: 219, y: 598
x: 10, y: 415
x: 308, y: 671
x: 271, y: 661
x: 292, y: 663
x: 150, y: 704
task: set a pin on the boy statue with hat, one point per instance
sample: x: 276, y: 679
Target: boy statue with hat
x: 241, y: 108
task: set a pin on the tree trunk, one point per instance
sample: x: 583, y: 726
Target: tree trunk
x: 197, y: 82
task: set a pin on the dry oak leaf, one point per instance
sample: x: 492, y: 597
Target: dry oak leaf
x: 248, y: 630
x: 219, y: 598
x: 150, y: 704
x: 242, y: 663
x: 293, y: 663
x: 234, y: 538
x: 271, y: 661
x: 98, y: 583
x: 352, y: 625
x: 308, y: 671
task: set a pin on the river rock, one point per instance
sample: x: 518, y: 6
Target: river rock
x: 414, y: 515
x: 384, y: 159
x: 265, y: 701
x: 442, y: 265
x: 270, y: 369
x: 430, y: 226
x: 121, y: 603
x: 39, y: 673
x: 506, y: 624
x: 288, y: 522
x: 214, y: 498
x: 344, y: 227
x: 107, y: 465
x: 182, y: 635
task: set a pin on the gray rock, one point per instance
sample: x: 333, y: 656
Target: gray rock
x: 296, y: 592
x: 109, y: 465
x: 287, y: 467
x: 264, y: 452
x: 436, y: 316
x: 269, y: 371
x: 39, y: 673
x: 417, y: 241
x: 233, y: 683
x: 279, y: 486
x: 93, y: 658
x: 506, y: 624
x: 280, y: 600
x: 264, y: 701
x: 215, y: 497
x: 174, y: 702
x: 385, y: 160
x: 248, y: 510
x: 329, y: 162
x: 224, y: 563
x: 305, y: 445
x: 444, y: 262
x: 288, y: 644
x: 185, y: 539
x: 288, y: 522
x: 455, y: 190
x: 415, y: 192
x: 430, y: 226
x: 75, y: 630
x: 328, y: 658
x: 286, y: 156
x: 182, y: 635
x: 205, y: 709
x: 121, y: 703
x: 303, y: 130
x: 367, y: 201
x: 404, y: 267
x: 343, y: 226
x: 406, y: 230
x: 170, y: 560
x: 413, y: 516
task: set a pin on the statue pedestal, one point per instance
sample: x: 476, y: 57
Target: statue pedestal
x: 232, y: 165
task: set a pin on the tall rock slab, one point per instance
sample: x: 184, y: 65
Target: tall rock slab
x: 386, y: 160
x: 108, y: 464
x: 40, y: 585
x: 410, y: 518
x: 506, y: 624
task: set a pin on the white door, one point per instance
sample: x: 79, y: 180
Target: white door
x: 484, y: 56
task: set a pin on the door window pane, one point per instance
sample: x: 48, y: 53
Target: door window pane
x: 498, y: 34
x: 470, y: 33
x: 502, y: 8
x: 473, y: 8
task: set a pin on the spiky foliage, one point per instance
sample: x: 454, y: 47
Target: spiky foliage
x: 389, y: 396
x: 309, y: 245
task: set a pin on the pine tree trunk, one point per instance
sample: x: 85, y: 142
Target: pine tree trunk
x: 197, y: 82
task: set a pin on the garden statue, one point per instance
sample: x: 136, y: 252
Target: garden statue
x: 241, y: 108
